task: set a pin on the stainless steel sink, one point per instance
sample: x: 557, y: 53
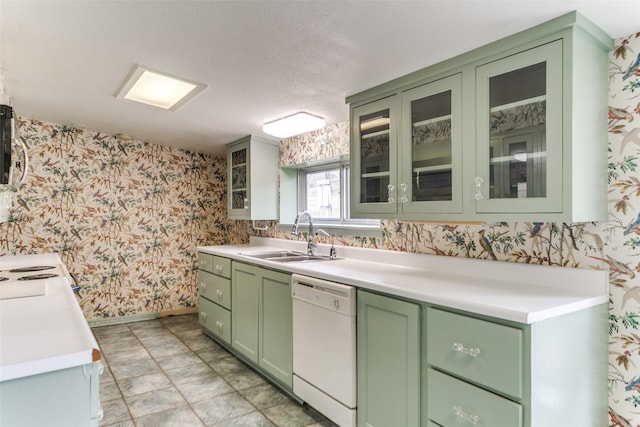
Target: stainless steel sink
x: 286, y: 256
x: 273, y: 254
x: 300, y: 258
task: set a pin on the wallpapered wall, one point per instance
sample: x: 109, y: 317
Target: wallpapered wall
x: 125, y: 216
x: 614, y: 245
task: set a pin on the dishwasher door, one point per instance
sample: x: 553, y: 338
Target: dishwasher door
x: 324, y: 344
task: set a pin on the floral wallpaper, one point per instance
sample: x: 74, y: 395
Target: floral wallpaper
x: 125, y: 216
x: 612, y: 245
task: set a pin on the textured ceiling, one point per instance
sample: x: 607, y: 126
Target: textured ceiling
x: 64, y: 61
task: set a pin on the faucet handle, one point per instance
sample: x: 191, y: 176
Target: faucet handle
x: 332, y: 252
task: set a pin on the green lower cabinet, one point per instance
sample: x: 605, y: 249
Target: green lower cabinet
x: 245, y: 295
x: 389, y: 369
x: 215, y: 319
x: 262, y: 328
x: 489, y: 372
x: 276, y: 327
x: 452, y: 402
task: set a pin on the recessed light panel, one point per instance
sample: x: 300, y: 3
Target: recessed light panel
x: 293, y: 125
x: 159, y: 89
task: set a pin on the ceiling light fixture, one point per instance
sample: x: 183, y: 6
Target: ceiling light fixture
x: 293, y: 125
x: 158, y: 89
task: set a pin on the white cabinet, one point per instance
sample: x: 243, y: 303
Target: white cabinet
x: 252, y: 179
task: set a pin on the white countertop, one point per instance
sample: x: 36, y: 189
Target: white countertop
x: 521, y: 293
x: 43, y: 333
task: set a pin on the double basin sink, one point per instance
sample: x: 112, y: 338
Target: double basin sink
x: 286, y: 256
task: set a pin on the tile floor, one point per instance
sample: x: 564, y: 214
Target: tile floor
x: 166, y: 372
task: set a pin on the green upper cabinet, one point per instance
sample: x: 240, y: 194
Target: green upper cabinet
x: 407, y: 167
x: 512, y: 131
x: 252, y: 179
x: 431, y: 153
x: 519, y: 132
x: 374, y: 158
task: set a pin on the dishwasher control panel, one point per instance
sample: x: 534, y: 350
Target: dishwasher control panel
x: 329, y: 295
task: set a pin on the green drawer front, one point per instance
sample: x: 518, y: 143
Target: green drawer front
x: 483, y: 352
x: 215, y: 319
x: 452, y: 402
x: 214, y: 264
x: 215, y: 288
x: 205, y: 262
x: 222, y: 267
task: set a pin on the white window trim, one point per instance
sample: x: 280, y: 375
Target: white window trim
x: 289, y: 207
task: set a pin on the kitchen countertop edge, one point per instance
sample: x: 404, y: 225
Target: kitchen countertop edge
x: 496, y: 289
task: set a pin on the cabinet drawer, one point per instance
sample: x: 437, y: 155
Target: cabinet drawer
x: 214, y: 264
x: 215, y: 288
x: 486, y: 353
x: 452, y: 402
x: 215, y: 319
x: 205, y: 262
x: 222, y: 267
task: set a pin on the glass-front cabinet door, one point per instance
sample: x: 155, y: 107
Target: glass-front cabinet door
x: 238, y: 163
x: 374, y: 158
x: 519, y: 132
x: 431, y: 172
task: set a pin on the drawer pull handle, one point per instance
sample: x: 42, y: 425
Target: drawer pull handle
x: 203, y: 287
x: 203, y: 315
x: 459, y: 412
x: 219, y: 293
x: 471, y: 351
x: 220, y: 325
x: 219, y: 269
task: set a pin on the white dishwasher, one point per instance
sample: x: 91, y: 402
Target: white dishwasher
x: 324, y: 347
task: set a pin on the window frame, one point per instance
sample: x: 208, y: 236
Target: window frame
x: 295, y: 176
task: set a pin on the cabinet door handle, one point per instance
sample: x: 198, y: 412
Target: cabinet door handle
x: 479, y: 182
x: 100, y: 367
x: 459, y: 412
x: 220, y: 325
x: 403, y: 197
x: 246, y: 204
x: 391, y: 193
x: 471, y: 351
x: 100, y: 413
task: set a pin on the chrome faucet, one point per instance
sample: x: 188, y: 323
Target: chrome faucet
x: 310, y: 243
x: 332, y: 252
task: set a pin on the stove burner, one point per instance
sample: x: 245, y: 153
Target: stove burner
x: 31, y: 268
x: 3, y: 279
x: 38, y: 276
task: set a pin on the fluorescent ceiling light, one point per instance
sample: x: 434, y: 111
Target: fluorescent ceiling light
x: 293, y: 125
x: 158, y: 89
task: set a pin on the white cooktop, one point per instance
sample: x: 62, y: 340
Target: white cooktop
x: 13, y: 283
x: 43, y: 333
